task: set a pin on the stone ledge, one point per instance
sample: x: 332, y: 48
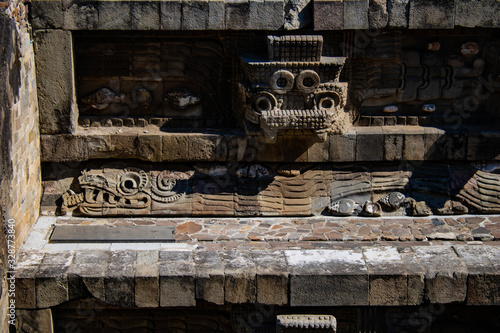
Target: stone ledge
x: 262, y: 15
x: 364, y: 275
x: 359, y: 144
x: 158, y: 15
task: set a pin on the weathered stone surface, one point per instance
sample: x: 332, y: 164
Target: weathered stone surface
x: 177, y: 279
x: 369, y: 144
x: 80, y: 16
x: 51, y: 287
x: 170, y: 14
x: 343, y: 147
x: 216, y: 15
x: 413, y: 146
x: 259, y: 15
x: 398, y: 13
x: 272, y: 277
x: 388, y: 277
x: 54, y: 70
x: 47, y: 14
x: 377, y: 14
x: 446, y: 275
x: 328, y: 14
x: 34, y: 320
x: 356, y: 14
x: 433, y: 14
x: 484, y: 278
x: 327, y: 278
x: 209, y: 277
x: 114, y: 15
x: 299, y: 14
x: 147, y: 279
x: 240, y: 282
x: 119, y: 282
x: 145, y: 15
x: 195, y: 15
x: 471, y: 13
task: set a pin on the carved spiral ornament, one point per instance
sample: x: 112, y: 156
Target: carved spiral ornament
x: 132, y: 181
x: 327, y: 101
x: 166, y: 188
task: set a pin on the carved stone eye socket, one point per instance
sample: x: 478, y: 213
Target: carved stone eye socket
x: 327, y: 101
x: 281, y: 81
x: 131, y: 182
x: 264, y: 101
x: 307, y: 81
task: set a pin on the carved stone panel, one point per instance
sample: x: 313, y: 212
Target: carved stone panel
x: 295, y: 88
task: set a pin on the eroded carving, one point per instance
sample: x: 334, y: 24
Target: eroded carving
x: 103, y: 98
x: 295, y: 88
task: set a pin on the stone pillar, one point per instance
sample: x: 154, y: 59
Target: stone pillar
x: 55, y: 81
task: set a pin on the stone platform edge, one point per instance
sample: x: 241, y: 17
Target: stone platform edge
x: 263, y: 14
x: 370, y: 275
x: 358, y: 144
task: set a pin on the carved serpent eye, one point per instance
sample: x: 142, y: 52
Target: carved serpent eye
x: 132, y: 181
x: 281, y: 81
x: 264, y: 101
x: 307, y: 81
x: 327, y: 101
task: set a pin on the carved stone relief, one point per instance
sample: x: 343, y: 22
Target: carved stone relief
x: 295, y: 88
x: 279, y: 190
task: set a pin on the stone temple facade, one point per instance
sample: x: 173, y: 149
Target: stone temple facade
x: 250, y: 166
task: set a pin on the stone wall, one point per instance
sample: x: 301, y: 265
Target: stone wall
x: 20, y: 180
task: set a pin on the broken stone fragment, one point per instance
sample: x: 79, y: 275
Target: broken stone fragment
x: 181, y: 98
x: 372, y: 209
x: 102, y: 98
x: 393, y: 200
x: 344, y: 207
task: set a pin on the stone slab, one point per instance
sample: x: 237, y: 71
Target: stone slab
x: 356, y: 14
x: 100, y: 233
x: 473, y: 13
x: 432, y: 14
x: 55, y: 86
x: 328, y: 14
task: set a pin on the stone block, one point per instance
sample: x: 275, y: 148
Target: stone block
x: 319, y: 151
x: 356, y: 14
x: 445, y: 274
x: 483, y: 146
x: 205, y: 147
x: 46, y: 14
x: 369, y: 144
x: 177, y: 282
x: 343, y: 147
x: 431, y: 14
x: 145, y: 15
x: 209, y: 277
x: 195, y: 15
x: 175, y: 147
x: 378, y: 16
x: 26, y: 287
x: 328, y: 14
x: 261, y: 151
x: 147, y: 291
x: 295, y: 148
x: 413, y: 146
x: 254, y: 15
x: 170, y: 14
x: 79, y: 15
x: 119, y: 290
x: 115, y: 15
x: 433, y: 139
x: 393, y: 144
x: 473, y: 13
x: 55, y: 86
x: 398, y: 13
x: 327, y: 278
x: 240, y: 282
x: 216, y: 15
x: 51, y: 289
x: 483, y: 265
x: 388, y: 277
x: 34, y: 320
x: 416, y: 277
x: 272, y: 277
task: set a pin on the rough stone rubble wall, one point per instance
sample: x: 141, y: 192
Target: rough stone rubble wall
x: 20, y: 180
